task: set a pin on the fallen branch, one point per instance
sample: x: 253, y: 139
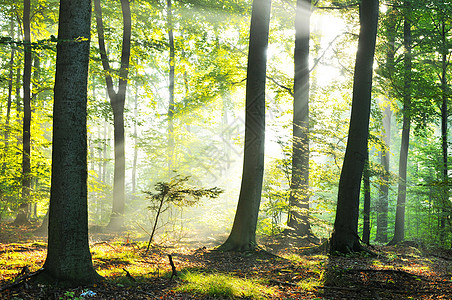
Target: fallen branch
x: 22, y: 279
x: 128, y: 275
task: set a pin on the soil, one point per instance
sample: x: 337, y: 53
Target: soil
x: 295, y: 268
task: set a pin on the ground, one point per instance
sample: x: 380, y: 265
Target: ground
x: 280, y: 269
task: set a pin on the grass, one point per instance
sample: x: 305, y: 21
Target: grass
x: 223, y: 285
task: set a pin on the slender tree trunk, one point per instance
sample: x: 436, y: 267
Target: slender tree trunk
x: 399, y: 229
x: 104, y: 153
x: 243, y: 233
x: 135, y: 143
x: 444, y: 132
x: 383, y: 201
x: 68, y: 256
x: 299, y: 197
x: 10, y: 86
x: 117, y: 100
x: 345, y: 234
x: 366, y: 211
x: 171, y: 75
x: 23, y: 215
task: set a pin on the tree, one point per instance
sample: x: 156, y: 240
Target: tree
x: 382, y: 204
x: 298, y: 218
x: 367, y: 199
x: 176, y: 192
x: 117, y: 100
x: 22, y: 216
x: 345, y: 237
x: 243, y: 233
x: 68, y: 256
x: 399, y: 228
x: 171, y: 80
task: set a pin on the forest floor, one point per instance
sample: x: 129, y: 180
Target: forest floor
x: 286, y: 269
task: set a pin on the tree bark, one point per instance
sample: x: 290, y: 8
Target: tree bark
x: 444, y: 215
x: 10, y: 86
x: 117, y: 101
x: 345, y: 238
x: 383, y: 201
x: 171, y: 76
x: 23, y: 215
x: 399, y: 228
x: 243, y: 233
x: 68, y: 257
x: 366, y: 210
x: 298, y: 219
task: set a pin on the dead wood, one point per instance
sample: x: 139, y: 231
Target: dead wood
x: 21, y: 279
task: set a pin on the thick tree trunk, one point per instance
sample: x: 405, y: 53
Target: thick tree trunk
x: 399, y: 228
x: 243, y: 234
x: 23, y: 215
x: 68, y: 258
x: 298, y: 219
x: 383, y: 201
x: 117, y: 100
x: 345, y: 236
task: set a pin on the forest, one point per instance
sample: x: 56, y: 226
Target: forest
x: 225, y: 149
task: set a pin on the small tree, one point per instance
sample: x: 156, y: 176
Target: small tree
x: 176, y: 192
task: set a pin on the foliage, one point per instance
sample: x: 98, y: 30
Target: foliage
x: 223, y: 285
x: 177, y: 193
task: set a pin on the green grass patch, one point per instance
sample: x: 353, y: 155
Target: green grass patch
x: 223, y: 285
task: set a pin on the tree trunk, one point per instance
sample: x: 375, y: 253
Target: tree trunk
x: 68, y: 257
x: 298, y: 219
x: 23, y: 215
x: 383, y: 198
x: 10, y: 87
x: 399, y: 228
x: 383, y: 201
x: 366, y: 211
x: 171, y: 75
x: 135, y: 144
x: 345, y: 238
x: 444, y: 132
x: 117, y: 101
x: 243, y: 234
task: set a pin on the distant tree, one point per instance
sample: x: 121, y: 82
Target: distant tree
x: 22, y: 216
x: 117, y: 100
x: 345, y: 237
x: 383, y: 197
x: 367, y: 199
x: 68, y: 256
x: 298, y: 218
x: 171, y: 80
x: 399, y: 228
x: 243, y: 233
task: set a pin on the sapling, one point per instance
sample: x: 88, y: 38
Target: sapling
x: 178, y: 193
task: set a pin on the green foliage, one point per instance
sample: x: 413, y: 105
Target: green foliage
x: 177, y: 192
x: 223, y: 285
